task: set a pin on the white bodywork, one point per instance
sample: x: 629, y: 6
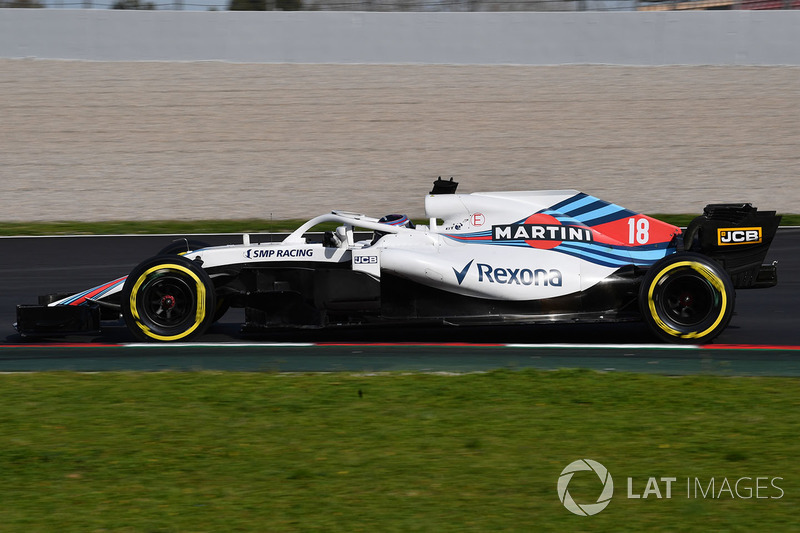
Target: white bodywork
x: 434, y: 255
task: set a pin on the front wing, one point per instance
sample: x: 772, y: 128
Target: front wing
x: 46, y: 321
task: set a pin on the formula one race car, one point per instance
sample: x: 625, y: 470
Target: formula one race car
x: 483, y: 259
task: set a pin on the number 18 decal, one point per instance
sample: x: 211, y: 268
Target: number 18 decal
x: 638, y: 231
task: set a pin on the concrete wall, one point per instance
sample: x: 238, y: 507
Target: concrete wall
x: 629, y: 38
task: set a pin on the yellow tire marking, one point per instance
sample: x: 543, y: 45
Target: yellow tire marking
x: 201, y: 302
x: 709, y: 276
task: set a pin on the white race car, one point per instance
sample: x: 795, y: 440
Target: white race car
x: 483, y: 259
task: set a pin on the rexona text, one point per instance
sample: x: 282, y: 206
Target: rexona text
x: 519, y: 276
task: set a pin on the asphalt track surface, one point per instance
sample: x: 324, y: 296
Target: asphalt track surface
x: 762, y: 339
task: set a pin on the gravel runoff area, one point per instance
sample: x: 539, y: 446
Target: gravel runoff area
x: 93, y: 141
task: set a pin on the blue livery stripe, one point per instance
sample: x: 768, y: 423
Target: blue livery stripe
x: 620, y: 259
x: 601, y: 254
x: 624, y: 213
x: 621, y: 255
x: 78, y: 296
x: 626, y: 249
x: 579, y: 199
x: 598, y: 213
x: 587, y: 208
x: 577, y: 205
x: 566, y: 220
x: 593, y: 259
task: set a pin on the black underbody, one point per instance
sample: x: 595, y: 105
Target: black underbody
x: 314, y: 296
x: 291, y: 295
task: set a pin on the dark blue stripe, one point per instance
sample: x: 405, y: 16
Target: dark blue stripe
x: 612, y: 264
x: 566, y: 202
x: 597, y: 251
x: 610, y: 218
x: 599, y: 204
x: 622, y: 258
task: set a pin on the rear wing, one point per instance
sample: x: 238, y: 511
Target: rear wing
x: 737, y: 236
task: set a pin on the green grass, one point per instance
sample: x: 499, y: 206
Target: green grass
x: 219, y: 226
x: 479, y: 452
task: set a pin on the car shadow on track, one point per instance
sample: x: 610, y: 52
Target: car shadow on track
x: 230, y: 332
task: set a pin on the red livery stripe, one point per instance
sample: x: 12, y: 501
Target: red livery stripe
x: 97, y: 291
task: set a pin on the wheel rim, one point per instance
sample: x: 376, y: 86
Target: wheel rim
x: 688, y: 300
x: 168, y: 301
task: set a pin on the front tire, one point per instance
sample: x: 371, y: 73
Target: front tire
x: 687, y: 298
x: 182, y: 246
x: 168, y: 299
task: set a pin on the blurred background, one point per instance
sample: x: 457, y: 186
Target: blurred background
x: 153, y: 115
x: 411, y: 5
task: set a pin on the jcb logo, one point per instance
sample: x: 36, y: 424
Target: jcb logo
x: 727, y: 236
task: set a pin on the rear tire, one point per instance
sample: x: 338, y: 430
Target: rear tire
x: 687, y: 298
x: 168, y: 299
